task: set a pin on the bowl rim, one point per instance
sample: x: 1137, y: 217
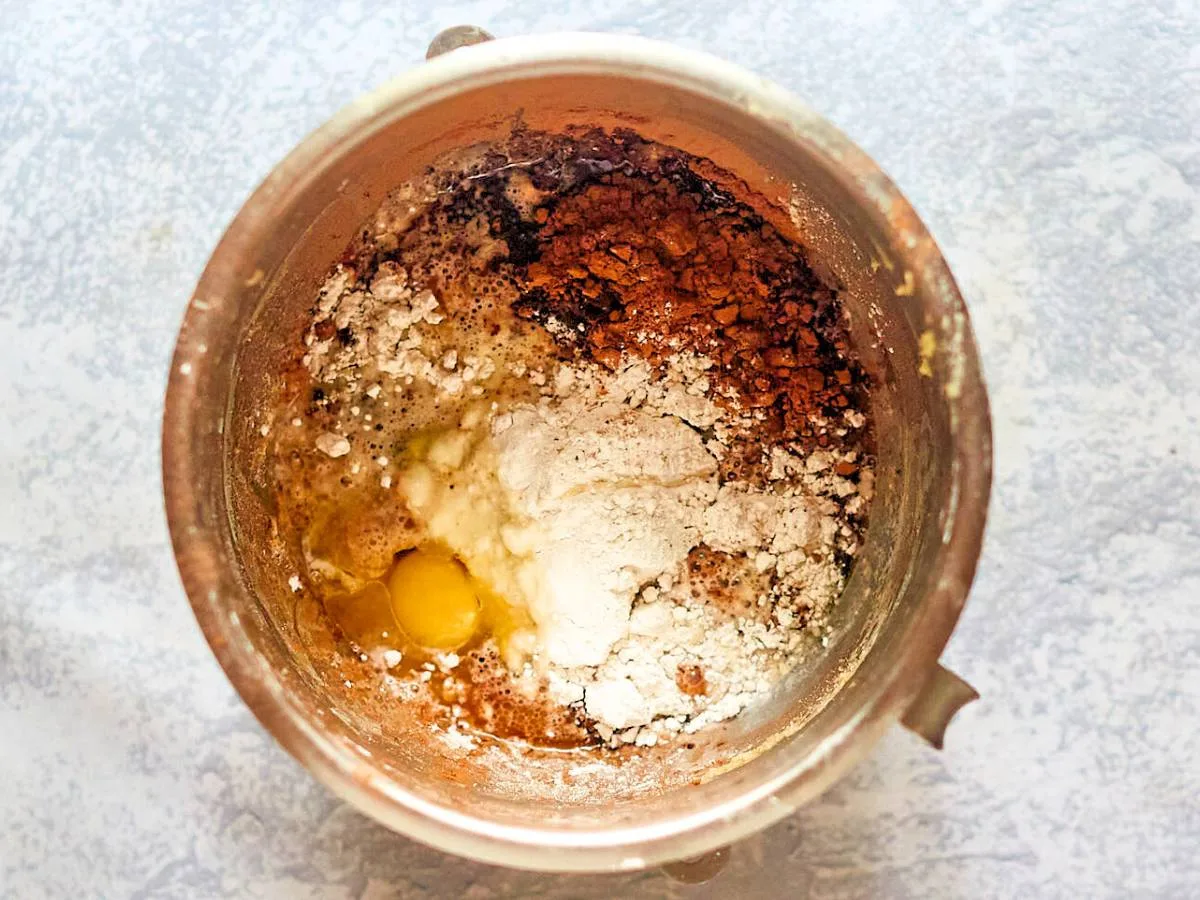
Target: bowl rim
x: 199, y: 553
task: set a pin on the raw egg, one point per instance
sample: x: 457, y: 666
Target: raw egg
x: 434, y: 600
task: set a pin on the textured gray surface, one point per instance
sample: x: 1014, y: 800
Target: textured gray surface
x: 1051, y: 147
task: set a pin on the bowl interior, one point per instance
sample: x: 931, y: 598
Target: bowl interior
x: 246, y: 323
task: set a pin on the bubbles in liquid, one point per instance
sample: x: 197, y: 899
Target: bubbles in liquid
x: 362, y: 537
x: 494, y: 704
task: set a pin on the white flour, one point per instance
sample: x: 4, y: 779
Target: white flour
x: 618, y: 494
x: 624, y: 490
x: 587, y: 508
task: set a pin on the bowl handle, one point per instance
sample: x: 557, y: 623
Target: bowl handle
x: 943, y: 695
x: 454, y: 37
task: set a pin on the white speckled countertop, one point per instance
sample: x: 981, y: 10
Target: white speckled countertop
x: 1053, y: 149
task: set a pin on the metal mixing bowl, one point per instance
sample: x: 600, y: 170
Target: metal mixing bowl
x: 908, y: 324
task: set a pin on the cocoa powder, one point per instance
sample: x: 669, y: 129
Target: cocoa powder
x: 617, y: 245
x: 685, y: 273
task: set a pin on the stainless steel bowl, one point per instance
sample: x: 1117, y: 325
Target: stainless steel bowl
x: 908, y: 324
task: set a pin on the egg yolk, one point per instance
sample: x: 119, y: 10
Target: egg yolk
x: 433, y: 599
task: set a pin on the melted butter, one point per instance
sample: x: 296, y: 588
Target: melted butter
x: 365, y: 616
x: 385, y: 593
x: 439, y: 564
x: 511, y: 626
x: 357, y: 540
x: 428, y: 603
